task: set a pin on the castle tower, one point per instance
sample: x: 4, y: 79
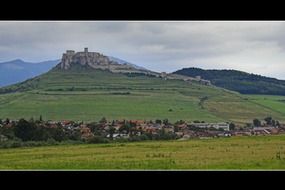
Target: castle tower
x: 66, y: 59
x: 70, y: 52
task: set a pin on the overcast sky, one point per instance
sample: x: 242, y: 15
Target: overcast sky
x: 255, y: 47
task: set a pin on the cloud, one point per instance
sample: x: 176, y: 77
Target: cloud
x: 256, y: 47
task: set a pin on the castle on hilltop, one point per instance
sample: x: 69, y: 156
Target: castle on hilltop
x: 99, y: 61
x: 93, y: 59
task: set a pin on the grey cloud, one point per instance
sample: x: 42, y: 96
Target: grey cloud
x: 162, y: 46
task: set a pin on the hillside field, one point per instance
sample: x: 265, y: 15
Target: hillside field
x: 89, y: 95
x: 260, y: 152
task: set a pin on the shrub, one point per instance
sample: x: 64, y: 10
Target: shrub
x: 97, y: 139
x: 122, y: 140
x: 11, y: 144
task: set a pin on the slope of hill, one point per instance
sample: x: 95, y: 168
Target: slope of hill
x: 89, y: 94
x: 82, y: 92
x: 242, y: 82
x: 17, y: 70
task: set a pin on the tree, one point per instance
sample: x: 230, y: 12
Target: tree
x: 111, y: 131
x: 75, y: 135
x: 232, y: 126
x: 256, y: 123
x: 273, y: 122
x: 126, y: 127
x: 25, y: 130
x: 247, y: 125
x: 103, y: 120
x: 158, y: 121
x: 165, y: 122
x: 40, y: 133
x: 57, y: 133
x: 41, y: 118
x: 176, y: 129
x: 32, y: 120
x: 7, y: 121
x: 180, y: 122
x: 268, y: 120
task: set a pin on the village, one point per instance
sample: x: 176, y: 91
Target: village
x: 134, y: 130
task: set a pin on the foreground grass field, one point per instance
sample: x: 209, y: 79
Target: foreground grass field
x: 262, y: 152
x: 89, y: 95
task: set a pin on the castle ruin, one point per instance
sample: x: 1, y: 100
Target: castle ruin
x: 99, y: 61
x: 92, y: 59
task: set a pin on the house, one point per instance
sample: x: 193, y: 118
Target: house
x: 137, y: 122
x: 224, y: 134
x: 85, y: 132
x: 242, y: 133
x: 118, y: 135
x: 182, y: 126
x: 264, y: 130
x: 224, y: 126
x: 179, y: 134
x: 169, y: 130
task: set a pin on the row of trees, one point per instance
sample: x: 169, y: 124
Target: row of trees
x: 268, y: 121
x: 37, y: 131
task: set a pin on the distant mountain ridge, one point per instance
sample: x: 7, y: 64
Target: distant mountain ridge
x: 18, y: 70
x: 239, y: 81
x: 120, y: 61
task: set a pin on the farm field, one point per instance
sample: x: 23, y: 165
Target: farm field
x: 259, y: 152
x: 276, y: 103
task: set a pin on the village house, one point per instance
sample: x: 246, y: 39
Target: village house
x: 242, y: 133
x: 85, y: 131
x: 118, y: 135
x: 265, y: 130
x: 224, y: 126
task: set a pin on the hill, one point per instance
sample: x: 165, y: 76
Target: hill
x: 18, y: 70
x: 82, y: 92
x: 239, y: 81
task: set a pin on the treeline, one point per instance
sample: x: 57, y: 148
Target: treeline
x: 34, y: 133
x: 239, y: 81
x: 267, y: 121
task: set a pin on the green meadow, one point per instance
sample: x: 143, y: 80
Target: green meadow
x: 259, y: 152
x: 88, y: 95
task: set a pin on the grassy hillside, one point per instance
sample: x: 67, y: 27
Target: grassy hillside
x: 242, y: 82
x: 260, y: 152
x: 88, y: 94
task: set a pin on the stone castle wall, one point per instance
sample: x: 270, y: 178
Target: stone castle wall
x: 83, y: 58
x: 93, y: 59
